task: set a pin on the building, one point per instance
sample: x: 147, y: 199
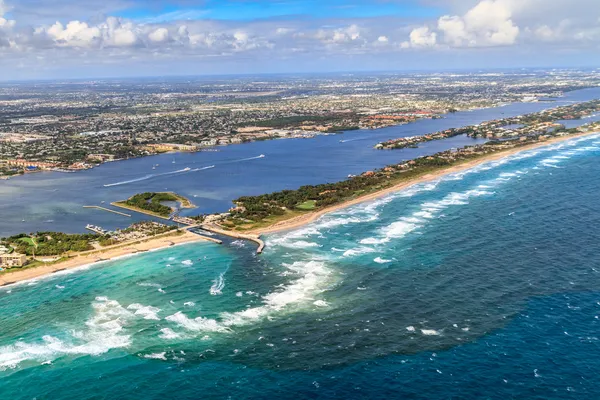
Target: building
x: 12, y: 260
x: 101, y: 157
x: 26, y: 164
x: 166, y: 147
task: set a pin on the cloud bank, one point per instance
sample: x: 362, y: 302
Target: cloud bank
x: 555, y: 26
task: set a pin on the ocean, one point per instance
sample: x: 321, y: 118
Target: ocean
x: 53, y: 201
x: 481, y: 284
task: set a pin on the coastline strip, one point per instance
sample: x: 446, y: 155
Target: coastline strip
x: 108, y: 254
x: 304, y: 219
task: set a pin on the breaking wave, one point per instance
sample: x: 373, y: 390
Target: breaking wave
x: 104, y: 331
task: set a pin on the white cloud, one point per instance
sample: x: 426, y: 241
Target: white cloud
x: 111, y: 33
x: 486, y: 25
x: 5, y: 24
x: 422, y: 37
x: 489, y: 23
x: 75, y: 34
x: 159, y: 35
x: 351, y: 33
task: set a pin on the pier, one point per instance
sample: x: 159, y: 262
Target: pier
x: 109, y: 210
x: 96, y: 229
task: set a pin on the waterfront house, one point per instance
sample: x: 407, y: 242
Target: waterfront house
x: 12, y: 260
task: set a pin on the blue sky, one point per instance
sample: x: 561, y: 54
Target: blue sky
x: 232, y: 10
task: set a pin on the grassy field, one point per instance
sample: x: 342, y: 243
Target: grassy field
x: 30, y: 241
x: 308, y: 205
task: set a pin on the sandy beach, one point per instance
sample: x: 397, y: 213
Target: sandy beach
x: 297, y: 222
x: 94, y: 256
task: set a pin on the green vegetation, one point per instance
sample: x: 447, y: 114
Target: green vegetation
x: 28, y: 241
x: 343, y: 128
x: 50, y: 243
x: 254, y: 212
x: 307, y: 205
x: 340, y: 121
x: 152, y: 202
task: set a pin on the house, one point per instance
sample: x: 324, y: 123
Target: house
x: 12, y: 260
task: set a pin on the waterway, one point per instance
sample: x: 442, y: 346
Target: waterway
x: 54, y: 201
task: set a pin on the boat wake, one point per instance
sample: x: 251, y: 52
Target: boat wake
x: 218, y: 285
x: 245, y: 159
x: 150, y: 176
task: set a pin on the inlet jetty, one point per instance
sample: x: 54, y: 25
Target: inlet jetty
x: 109, y: 210
x: 251, y: 237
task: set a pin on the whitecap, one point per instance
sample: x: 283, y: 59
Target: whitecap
x: 358, y: 251
x: 430, y: 332
x: 146, y: 312
x: 380, y: 260
x: 169, y: 334
x: 199, y: 324
x: 104, y: 331
x: 399, y: 229
x: 149, y: 284
x: 157, y: 356
x: 300, y: 244
x: 372, y: 240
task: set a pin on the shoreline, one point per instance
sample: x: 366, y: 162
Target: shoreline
x: 301, y: 220
x: 216, y: 147
x: 92, y: 257
x: 98, y: 256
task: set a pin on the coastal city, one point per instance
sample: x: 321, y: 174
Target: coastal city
x: 250, y: 217
x: 299, y: 199
x: 519, y: 127
x: 64, y: 128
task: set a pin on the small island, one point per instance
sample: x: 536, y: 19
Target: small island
x: 153, y: 203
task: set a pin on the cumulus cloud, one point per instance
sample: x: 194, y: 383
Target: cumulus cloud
x: 5, y: 24
x: 494, y: 23
x: 421, y: 37
x: 74, y: 34
x: 489, y: 23
x: 111, y: 33
x: 159, y: 35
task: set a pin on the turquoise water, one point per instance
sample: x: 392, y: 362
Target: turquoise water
x: 483, y: 284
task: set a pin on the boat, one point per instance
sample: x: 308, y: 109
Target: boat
x: 186, y: 169
x: 262, y: 156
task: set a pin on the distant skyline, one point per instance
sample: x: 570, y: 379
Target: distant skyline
x: 47, y: 39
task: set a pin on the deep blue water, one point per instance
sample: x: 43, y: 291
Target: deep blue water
x: 53, y: 201
x: 483, y: 284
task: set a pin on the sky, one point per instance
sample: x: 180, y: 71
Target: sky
x: 48, y: 39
